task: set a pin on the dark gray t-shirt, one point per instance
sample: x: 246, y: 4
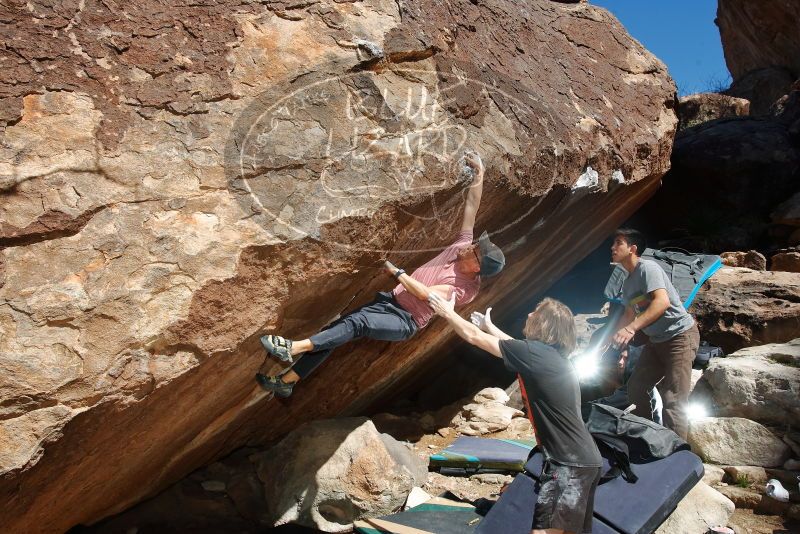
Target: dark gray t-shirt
x: 646, y: 278
x: 554, y: 395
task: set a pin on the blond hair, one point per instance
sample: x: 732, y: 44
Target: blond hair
x: 552, y: 323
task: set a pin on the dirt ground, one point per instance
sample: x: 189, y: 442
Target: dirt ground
x: 746, y: 522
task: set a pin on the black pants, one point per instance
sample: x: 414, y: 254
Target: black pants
x: 382, y: 319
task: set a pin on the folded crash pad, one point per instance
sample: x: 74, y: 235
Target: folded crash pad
x: 641, y: 507
x: 620, y: 507
x: 473, y: 455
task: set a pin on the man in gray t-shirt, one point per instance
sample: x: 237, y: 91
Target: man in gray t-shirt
x: 652, y: 305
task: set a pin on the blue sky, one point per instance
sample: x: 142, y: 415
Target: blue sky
x: 682, y: 34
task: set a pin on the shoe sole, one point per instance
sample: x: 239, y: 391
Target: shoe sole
x: 274, y: 355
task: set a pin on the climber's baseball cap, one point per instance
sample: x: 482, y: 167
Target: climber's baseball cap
x: 492, y: 258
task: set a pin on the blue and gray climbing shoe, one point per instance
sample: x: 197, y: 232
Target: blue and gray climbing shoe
x: 278, y: 346
x: 275, y: 385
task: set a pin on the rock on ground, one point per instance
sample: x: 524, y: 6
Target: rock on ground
x: 327, y: 474
x: 712, y: 474
x: 751, y: 259
x: 702, y: 107
x: 741, y: 308
x: 701, y: 508
x: 760, y: 383
x: 487, y: 413
x: 786, y: 261
x: 753, y: 475
x: 736, y: 441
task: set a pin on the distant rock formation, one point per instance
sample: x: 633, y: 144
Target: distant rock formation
x: 761, y: 41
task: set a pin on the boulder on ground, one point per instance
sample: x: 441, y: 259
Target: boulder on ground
x: 741, y: 308
x: 701, y: 508
x: 712, y: 474
x: 326, y: 474
x: 751, y: 260
x: 749, y: 475
x: 736, y: 441
x: 786, y: 261
x: 703, y: 107
x: 742, y: 497
x: 486, y: 414
x: 760, y: 383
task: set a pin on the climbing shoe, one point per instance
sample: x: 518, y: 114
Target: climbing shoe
x: 278, y: 346
x: 275, y: 385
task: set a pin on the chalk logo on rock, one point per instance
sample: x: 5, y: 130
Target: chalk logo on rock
x: 319, y: 148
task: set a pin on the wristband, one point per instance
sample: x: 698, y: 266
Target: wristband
x: 630, y: 331
x: 398, y: 272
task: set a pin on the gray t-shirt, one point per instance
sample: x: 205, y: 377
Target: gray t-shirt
x: 646, y: 278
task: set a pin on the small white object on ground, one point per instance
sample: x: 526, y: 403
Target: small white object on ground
x: 775, y: 490
x: 416, y: 497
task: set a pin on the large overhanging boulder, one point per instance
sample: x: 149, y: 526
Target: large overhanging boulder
x: 176, y: 180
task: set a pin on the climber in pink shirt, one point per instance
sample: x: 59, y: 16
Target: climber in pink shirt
x: 398, y: 315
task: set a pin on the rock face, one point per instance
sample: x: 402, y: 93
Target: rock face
x: 324, y: 475
x: 327, y: 474
x: 742, y: 308
x: 703, y: 507
x: 760, y: 383
x: 786, y: 261
x: 736, y: 441
x: 761, y: 88
x: 746, y: 165
x: 172, y: 190
x: 703, y: 107
x: 760, y: 35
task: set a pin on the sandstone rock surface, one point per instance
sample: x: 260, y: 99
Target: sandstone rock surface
x: 747, y: 165
x: 703, y: 507
x: 762, y: 88
x: 327, y: 474
x: 702, y: 107
x: 786, y: 261
x: 752, y: 259
x: 487, y: 413
x: 177, y: 180
x: 760, y: 383
x: 759, y: 34
x: 743, y: 308
x: 736, y: 441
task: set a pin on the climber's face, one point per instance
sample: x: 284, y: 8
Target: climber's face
x: 467, y: 259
